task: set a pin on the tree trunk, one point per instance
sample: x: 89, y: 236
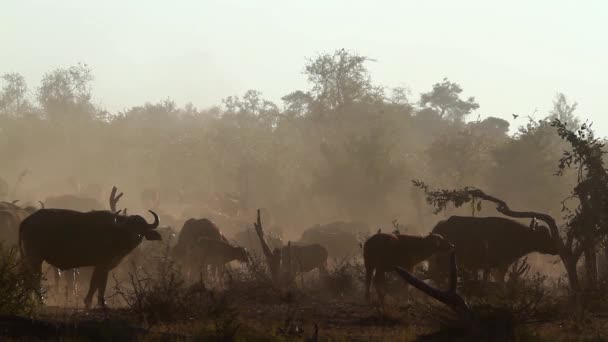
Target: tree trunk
x: 590, y: 269
x: 604, y: 263
x: 576, y: 294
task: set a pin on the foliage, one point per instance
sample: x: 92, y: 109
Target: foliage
x: 161, y: 294
x: 342, y: 148
x: 563, y: 111
x: 13, y: 97
x: 589, y: 221
x: 445, y: 100
x: 340, y: 80
x: 65, y: 94
x: 15, y: 294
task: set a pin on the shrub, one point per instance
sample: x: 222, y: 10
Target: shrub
x: 15, y: 294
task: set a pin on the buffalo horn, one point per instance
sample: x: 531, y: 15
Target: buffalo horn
x: 156, y: 220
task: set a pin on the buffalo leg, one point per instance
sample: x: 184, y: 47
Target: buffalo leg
x: 101, y: 287
x: 93, y: 286
x: 57, y: 278
x: 380, y: 285
x: 369, y: 273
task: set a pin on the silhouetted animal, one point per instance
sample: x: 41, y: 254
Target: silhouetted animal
x: 490, y: 244
x: 69, y: 239
x: 192, y: 231
x: 249, y: 239
x: 11, y: 216
x: 216, y: 253
x: 339, y: 238
x: 382, y: 252
x: 301, y: 258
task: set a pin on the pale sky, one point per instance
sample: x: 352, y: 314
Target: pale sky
x: 512, y: 56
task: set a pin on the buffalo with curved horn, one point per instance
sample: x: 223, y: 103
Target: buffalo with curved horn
x: 69, y: 239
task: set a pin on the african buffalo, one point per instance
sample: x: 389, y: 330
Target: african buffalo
x: 301, y: 258
x: 216, y: 253
x: 490, y: 244
x: 192, y: 231
x: 382, y: 252
x: 339, y: 238
x: 11, y: 216
x: 249, y: 239
x: 69, y: 239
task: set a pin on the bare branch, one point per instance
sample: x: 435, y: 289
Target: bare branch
x: 449, y: 297
x: 272, y: 259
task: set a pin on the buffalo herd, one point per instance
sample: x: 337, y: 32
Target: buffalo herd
x: 74, y: 233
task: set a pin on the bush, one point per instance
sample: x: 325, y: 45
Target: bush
x: 498, y: 309
x: 346, y: 278
x: 15, y: 294
x: 161, y: 295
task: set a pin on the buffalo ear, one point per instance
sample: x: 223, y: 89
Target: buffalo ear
x: 152, y: 235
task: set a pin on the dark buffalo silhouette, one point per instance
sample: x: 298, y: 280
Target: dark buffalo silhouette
x: 339, y: 238
x: 69, y: 239
x: 249, y: 239
x: 216, y: 253
x: 188, y: 240
x: 11, y: 216
x: 299, y: 258
x: 382, y: 252
x: 83, y: 204
x: 490, y: 244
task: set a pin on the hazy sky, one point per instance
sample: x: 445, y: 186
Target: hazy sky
x: 513, y: 56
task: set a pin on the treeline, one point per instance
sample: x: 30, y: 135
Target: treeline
x: 343, y: 149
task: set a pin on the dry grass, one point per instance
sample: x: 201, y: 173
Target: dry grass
x: 158, y: 305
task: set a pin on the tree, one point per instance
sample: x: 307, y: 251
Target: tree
x: 340, y: 80
x: 588, y: 223
x: 564, y: 111
x: 13, y: 98
x: 445, y: 100
x: 491, y: 126
x: 360, y: 173
x: 252, y: 106
x: 465, y: 155
x: 65, y: 93
x: 585, y: 226
x: 523, y: 163
x: 298, y: 103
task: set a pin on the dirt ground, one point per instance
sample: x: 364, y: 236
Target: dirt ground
x: 337, y: 319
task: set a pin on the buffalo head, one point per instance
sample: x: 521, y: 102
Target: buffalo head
x: 139, y: 225
x: 543, y: 242
x: 439, y: 243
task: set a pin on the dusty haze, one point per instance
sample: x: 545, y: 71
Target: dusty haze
x: 346, y: 147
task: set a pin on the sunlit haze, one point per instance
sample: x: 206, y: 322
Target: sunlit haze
x: 513, y: 57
